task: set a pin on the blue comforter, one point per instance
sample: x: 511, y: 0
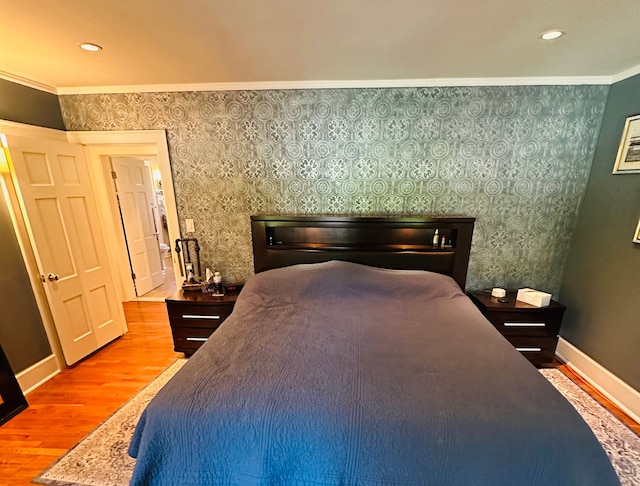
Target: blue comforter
x: 342, y: 374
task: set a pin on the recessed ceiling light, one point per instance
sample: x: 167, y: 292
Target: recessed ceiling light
x: 551, y: 34
x: 88, y: 46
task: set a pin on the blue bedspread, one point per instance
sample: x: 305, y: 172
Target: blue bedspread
x: 342, y: 374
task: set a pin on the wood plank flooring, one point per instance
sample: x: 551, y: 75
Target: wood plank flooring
x: 168, y: 286
x: 600, y: 398
x: 69, y: 406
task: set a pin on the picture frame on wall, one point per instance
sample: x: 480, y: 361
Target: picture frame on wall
x: 628, y: 159
x: 636, y: 238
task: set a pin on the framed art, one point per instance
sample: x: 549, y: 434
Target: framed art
x: 636, y: 237
x: 628, y: 159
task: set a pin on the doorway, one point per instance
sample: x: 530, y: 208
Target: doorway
x: 55, y: 196
x: 168, y: 285
x: 150, y: 146
x: 140, y: 210
x: 147, y: 143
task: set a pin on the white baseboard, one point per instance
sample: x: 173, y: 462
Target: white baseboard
x: 616, y: 390
x: 35, y: 375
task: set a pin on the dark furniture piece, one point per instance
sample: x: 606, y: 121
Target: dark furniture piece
x: 532, y: 330
x: 339, y: 373
x: 194, y: 316
x: 397, y: 243
x: 12, y: 401
x: 342, y: 373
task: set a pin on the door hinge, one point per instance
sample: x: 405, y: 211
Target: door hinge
x: 114, y: 175
x: 133, y: 276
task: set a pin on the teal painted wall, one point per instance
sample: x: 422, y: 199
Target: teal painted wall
x: 22, y: 333
x: 515, y: 157
x: 601, y: 285
x: 22, y: 104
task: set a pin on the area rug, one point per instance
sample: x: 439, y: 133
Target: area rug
x: 101, y: 459
x: 620, y: 443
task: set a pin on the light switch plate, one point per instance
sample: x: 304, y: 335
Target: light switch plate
x: 190, y: 226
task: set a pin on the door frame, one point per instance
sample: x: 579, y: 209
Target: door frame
x: 99, y: 147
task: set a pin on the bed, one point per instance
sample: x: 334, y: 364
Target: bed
x: 348, y: 361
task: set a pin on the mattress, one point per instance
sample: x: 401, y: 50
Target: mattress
x: 342, y: 374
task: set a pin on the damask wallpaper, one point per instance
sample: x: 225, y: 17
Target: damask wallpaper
x: 516, y: 158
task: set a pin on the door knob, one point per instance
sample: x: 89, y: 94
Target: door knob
x: 53, y: 277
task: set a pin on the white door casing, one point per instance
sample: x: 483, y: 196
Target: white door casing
x: 56, y: 196
x: 145, y: 144
x: 135, y: 195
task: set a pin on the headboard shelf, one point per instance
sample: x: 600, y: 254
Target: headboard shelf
x: 359, y: 247
x: 400, y: 243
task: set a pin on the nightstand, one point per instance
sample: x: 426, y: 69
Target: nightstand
x: 194, y: 316
x: 532, y: 330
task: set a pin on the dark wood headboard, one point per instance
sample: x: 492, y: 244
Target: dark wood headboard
x: 397, y: 243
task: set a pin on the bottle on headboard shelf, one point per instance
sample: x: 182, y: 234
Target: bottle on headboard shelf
x: 436, y: 239
x: 218, y: 289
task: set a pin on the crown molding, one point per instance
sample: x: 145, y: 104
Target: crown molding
x: 384, y: 83
x: 326, y: 84
x: 28, y: 82
x: 621, y: 76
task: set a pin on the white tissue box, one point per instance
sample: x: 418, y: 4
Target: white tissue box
x: 534, y: 297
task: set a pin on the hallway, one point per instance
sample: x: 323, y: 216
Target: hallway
x: 168, y: 286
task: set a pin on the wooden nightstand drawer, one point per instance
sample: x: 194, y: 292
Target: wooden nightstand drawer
x: 525, y: 324
x: 532, y: 330
x: 198, y: 315
x: 190, y: 338
x: 538, y: 350
x: 194, y: 316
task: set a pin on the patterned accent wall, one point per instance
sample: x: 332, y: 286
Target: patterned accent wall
x: 515, y: 158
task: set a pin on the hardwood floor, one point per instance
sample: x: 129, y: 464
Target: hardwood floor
x: 168, y: 286
x: 600, y: 398
x: 70, y: 405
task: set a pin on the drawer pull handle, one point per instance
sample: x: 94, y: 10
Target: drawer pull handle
x: 198, y: 339
x: 198, y: 316
x: 524, y: 324
x: 529, y: 350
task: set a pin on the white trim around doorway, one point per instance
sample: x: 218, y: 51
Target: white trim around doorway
x: 100, y: 146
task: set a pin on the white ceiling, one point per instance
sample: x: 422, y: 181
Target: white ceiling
x: 304, y: 42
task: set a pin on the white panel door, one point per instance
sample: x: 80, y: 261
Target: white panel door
x: 136, y: 196
x: 55, y: 191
